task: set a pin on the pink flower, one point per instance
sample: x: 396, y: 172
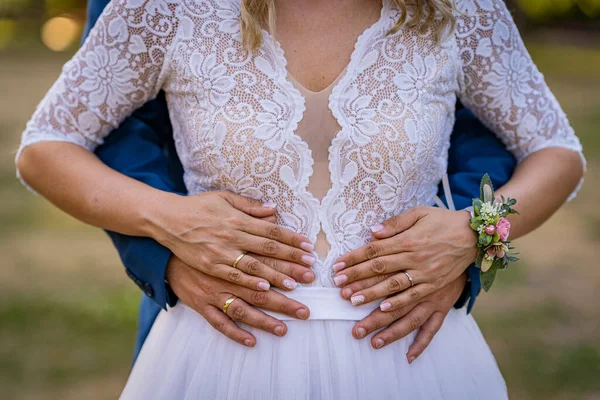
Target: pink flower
x: 490, y: 230
x: 497, y: 250
x: 503, y: 228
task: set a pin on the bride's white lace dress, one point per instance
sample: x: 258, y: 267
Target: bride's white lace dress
x: 236, y: 116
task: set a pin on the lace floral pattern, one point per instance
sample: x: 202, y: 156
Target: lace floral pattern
x: 235, y: 113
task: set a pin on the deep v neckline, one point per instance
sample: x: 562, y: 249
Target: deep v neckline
x: 360, y: 58
x: 346, y: 71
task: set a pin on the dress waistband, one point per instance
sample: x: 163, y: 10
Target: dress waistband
x: 325, y: 304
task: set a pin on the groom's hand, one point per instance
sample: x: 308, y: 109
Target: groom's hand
x: 207, y: 295
x: 427, y: 315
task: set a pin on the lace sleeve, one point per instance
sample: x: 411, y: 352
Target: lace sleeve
x: 501, y: 84
x: 119, y: 67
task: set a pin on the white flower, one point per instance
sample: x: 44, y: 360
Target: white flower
x: 108, y: 78
x: 509, y: 81
x: 240, y: 183
x: 395, y: 191
x: 213, y: 78
x: 230, y: 19
x: 415, y: 79
x: 348, y: 230
x: 488, y: 212
x: 274, y: 121
x: 359, y: 116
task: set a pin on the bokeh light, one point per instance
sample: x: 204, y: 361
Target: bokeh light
x: 59, y: 33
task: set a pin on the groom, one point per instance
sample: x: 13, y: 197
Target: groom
x: 142, y: 147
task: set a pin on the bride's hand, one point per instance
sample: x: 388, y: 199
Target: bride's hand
x: 209, y: 231
x: 433, y: 246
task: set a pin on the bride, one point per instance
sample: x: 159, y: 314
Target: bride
x: 338, y: 148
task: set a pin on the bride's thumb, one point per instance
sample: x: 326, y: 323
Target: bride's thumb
x: 250, y: 206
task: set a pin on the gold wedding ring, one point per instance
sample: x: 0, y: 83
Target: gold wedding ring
x: 228, y: 303
x: 237, y: 260
x: 412, y: 283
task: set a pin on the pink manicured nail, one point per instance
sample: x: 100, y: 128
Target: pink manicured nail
x: 385, y: 306
x: 357, y: 300
x: 264, y: 285
x: 302, y: 313
x: 339, y: 280
x: 376, y: 228
x: 307, y: 246
x: 379, y: 343
x: 347, y: 292
x: 278, y: 330
x: 290, y: 284
x: 248, y: 342
x: 269, y: 204
x: 310, y: 260
x: 337, y: 267
x: 361, y: 332
x: 410, y: 360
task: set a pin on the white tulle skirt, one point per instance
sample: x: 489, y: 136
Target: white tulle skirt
x: 185, y: 358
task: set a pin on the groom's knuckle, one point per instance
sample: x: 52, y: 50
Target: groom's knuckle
x: 253, y: 267
x: 259, y: 298
x: 239, y: 313
x: 234, y: 275
x: 219, y: 326
x: 414, y: 322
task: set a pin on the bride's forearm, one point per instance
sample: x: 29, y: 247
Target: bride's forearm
x: 541, y: 184
x: 77, y: 182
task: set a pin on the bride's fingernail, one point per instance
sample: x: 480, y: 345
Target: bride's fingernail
x: 269, y: 204
x: 278, y: 330
x: 361, y: 333
x: 385, y: 306
x: 339, y: 280
x: 264, y: 285
x: 376, y: 228
x: 290, y: 284
x: 337, y: 267
x: 310, y: 260
x: 248, y: 342
x: 356, y: 300
x: 307, y: 246
x: 301, y: 313
x: 379, y: 343
x: 410, y: 360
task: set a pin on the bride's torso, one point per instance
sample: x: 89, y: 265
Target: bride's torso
x: 370, y: 145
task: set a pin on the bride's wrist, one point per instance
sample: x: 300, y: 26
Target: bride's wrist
x: 156, y: 215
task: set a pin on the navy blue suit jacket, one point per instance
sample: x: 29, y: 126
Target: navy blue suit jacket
x: 142, y: 147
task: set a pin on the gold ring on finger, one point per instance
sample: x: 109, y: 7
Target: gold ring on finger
x: 412, y: 283
x: 237, y: 260
x: 228, y: 303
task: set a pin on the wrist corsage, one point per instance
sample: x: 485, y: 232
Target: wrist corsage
x: 492, y: 228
